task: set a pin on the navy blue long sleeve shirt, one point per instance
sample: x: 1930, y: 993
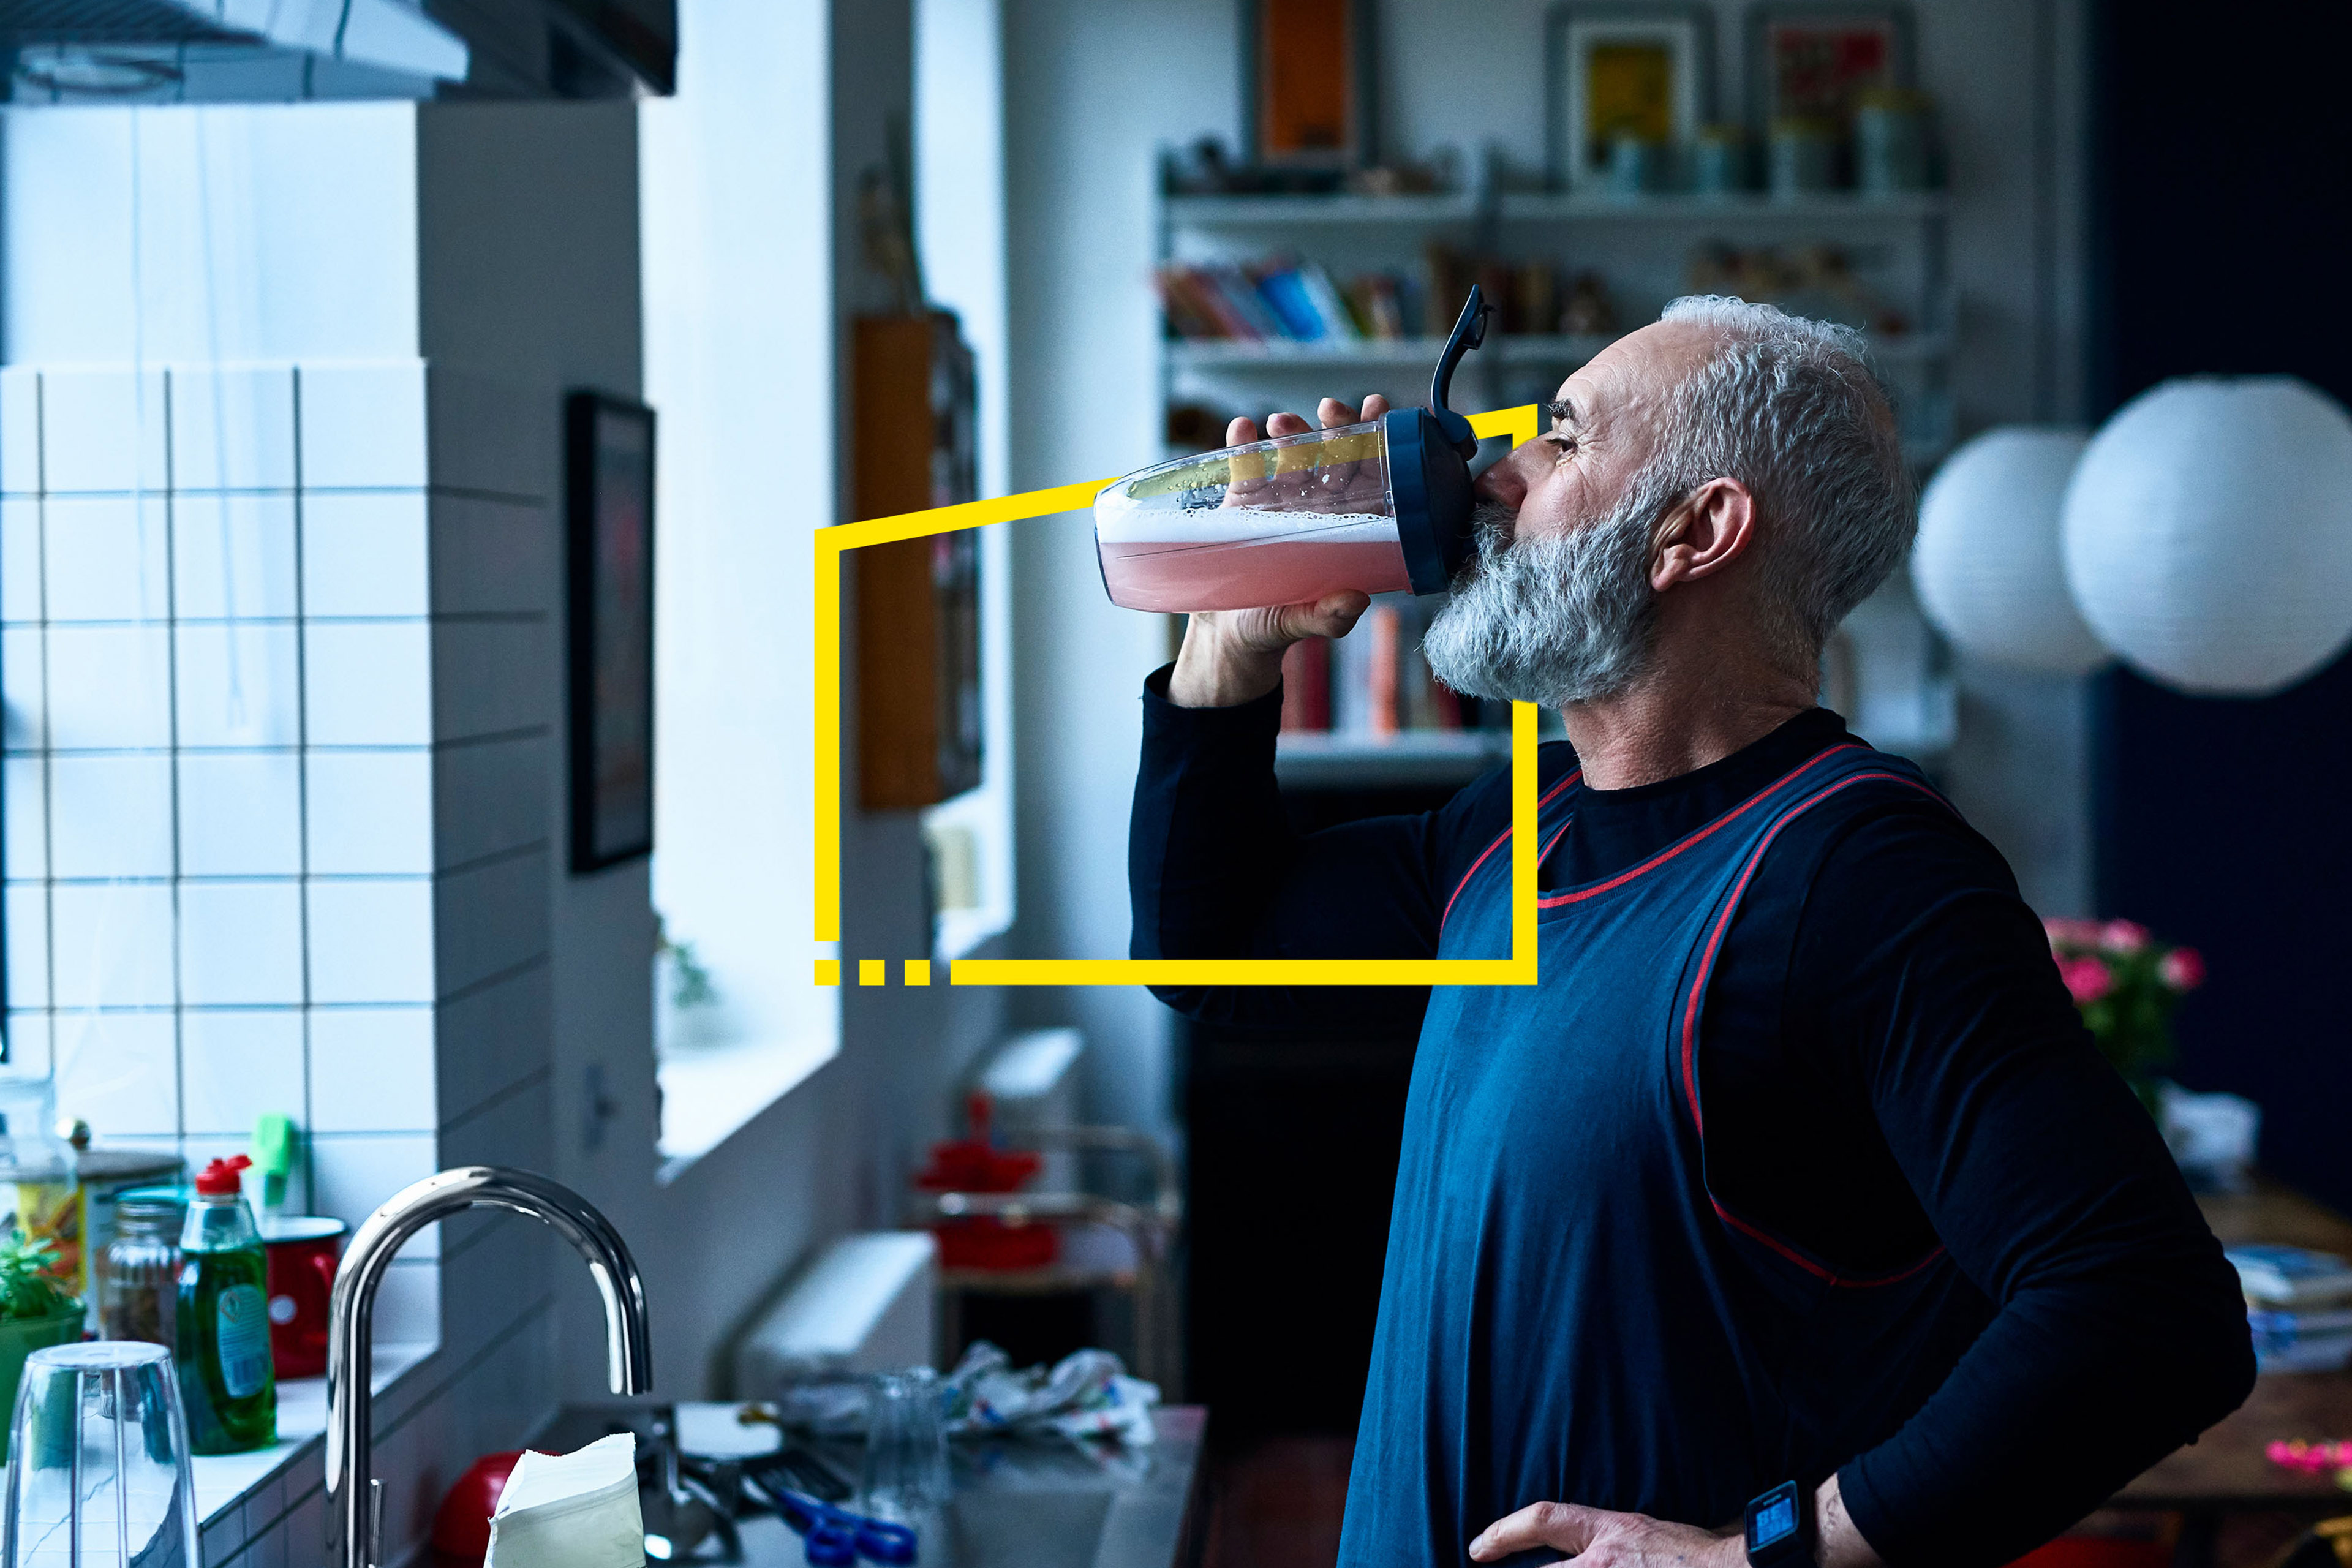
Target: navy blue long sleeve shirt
x: 1922, y: 1077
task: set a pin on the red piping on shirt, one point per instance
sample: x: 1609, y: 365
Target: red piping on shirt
x: 1663, y: 856
x: 1809, y: 1266
x: 1545, y: 800
x: 1690, y: 1028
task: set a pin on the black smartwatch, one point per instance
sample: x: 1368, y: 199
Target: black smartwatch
x: 1781, y: 1528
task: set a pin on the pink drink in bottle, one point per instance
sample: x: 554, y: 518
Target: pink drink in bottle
x: 1378, y: 508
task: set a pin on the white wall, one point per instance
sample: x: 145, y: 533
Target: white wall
x: 749, y: 284
x: 511, y: 231
x: 1093, y: 92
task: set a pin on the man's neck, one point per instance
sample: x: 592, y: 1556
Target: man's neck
x: 1674, y: 722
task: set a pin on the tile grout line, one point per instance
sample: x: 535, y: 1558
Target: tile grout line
x: 49, y: 763
x: 171, y: 700
x: 302, y: 801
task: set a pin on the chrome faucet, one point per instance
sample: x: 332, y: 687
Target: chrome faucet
x: 355, y: 1498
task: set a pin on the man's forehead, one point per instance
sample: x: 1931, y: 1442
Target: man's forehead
x: 1635, y: 367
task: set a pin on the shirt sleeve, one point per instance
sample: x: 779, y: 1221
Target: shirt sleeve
x: 2118, y: 1332
x: 1215, y: 870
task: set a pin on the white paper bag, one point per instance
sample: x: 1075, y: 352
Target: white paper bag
x: 572, y: 1511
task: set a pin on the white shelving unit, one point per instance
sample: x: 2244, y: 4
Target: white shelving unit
x: 1643, y: 249
x: 1408, y: 757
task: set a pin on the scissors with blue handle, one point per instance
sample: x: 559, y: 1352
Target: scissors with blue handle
x: 831, y: 1531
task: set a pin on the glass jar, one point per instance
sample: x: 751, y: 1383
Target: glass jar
x: 139, y: 1271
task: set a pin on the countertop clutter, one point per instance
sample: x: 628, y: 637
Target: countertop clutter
x: 1015, y: 1503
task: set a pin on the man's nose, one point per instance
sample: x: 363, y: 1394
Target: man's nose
x: 1506, y: 482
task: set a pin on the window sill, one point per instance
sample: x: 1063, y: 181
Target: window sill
x: 962, y: 931
x: 242, y: 1496
x: 708, y: 1093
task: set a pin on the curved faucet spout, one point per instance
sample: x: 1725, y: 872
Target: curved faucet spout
x: 354, y: 1499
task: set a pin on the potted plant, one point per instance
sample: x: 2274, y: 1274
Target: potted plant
x: 2127, y: 984
x: 36, y: 1312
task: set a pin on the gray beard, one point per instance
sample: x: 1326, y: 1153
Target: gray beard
x: 1553, y: 621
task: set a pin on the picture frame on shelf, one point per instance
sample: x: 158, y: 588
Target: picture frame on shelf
x: 1611, y: 71
x: 609, y: 613
x: 1813, y: 59
x: 1308, y: 71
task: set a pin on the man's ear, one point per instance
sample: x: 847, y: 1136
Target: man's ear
x: 1706, y: 531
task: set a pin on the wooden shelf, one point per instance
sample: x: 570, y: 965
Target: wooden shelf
x: 1838, y: 207
x: 1204, y: 354
x: 1322, y: 760
x: 1231, y: 211
x: 1538, y: 207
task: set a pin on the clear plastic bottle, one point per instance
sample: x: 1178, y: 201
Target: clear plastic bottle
x: 222, y: 1320
x: 1378, y: 506
x: 36, y: 1176
x: 1273, y: 522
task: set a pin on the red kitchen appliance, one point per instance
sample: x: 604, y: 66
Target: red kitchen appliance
x: 975, y: 1164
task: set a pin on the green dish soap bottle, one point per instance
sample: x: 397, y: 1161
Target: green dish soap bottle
x: 225, y: 1378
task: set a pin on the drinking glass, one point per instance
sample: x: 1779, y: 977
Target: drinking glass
x: 906, y: 1446
x: 99, y: 1472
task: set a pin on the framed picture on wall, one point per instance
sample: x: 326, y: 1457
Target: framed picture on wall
x: 1307, y: 83
x: 609, y: 605
x: 1613, y: 72
x: 1812, y: 61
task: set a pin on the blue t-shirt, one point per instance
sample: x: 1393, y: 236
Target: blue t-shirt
x: 1894, y: 1088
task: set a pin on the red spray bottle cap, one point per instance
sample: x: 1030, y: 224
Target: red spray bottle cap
x: 220, y: 1178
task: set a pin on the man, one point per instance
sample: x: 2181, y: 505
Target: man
x: 1798, y: 1165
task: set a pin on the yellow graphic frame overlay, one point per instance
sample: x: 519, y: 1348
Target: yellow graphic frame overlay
x: 1520, y: 424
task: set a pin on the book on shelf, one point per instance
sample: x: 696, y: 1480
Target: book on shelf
x: 2291, y: 1277
x: 2318, y: 1341
x: 1373, y: 684
x: 1307, y: 685
x: 1284, y: 301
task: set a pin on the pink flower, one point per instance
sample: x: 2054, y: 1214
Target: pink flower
x: 2183, y: 969
x: 2087, y: 979
x: 2123, y: 936
x: 2063, y: 932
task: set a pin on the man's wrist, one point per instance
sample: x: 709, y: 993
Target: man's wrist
x: 1210, y: 673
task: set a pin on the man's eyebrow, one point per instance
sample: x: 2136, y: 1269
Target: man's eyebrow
x: 1562, y: 412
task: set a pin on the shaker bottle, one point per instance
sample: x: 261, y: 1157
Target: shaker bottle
x: 1379, y: 506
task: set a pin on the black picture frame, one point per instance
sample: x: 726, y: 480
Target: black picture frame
x: 1889, y: 18
x: 1361, y: 149
x: 609, y: 614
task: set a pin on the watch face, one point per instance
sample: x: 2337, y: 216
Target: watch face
x: 1777, y: 1528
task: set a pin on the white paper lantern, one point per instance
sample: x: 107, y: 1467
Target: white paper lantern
x: 1990, y: 570
x: 2209, y: 532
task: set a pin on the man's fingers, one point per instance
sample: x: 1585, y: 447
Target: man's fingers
x: 1562, y: 1526
x: 1240, y: 432
x: 1332, y: 615
x: 1374, y: 407
x: 1334, y: 414
x: 1287, y: 424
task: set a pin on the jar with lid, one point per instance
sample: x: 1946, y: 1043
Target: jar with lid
x: 139, y: 1268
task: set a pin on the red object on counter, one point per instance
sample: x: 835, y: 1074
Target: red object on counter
x: 974, y: 1164
x: 302, y: 1251
x: 461, y: 1529
x: 223, y: 1176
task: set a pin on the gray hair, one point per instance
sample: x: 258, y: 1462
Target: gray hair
x: 1787, y: 407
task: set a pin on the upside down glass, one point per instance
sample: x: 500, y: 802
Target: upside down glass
x: 98, y: 1474
x: 906, y: 1471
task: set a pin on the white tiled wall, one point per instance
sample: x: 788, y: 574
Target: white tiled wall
x: 276, y: 642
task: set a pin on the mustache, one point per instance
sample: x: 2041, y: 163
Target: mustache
x: 1494, y: 527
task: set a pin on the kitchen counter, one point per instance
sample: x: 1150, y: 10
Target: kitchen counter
x: 1030, y: 1504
